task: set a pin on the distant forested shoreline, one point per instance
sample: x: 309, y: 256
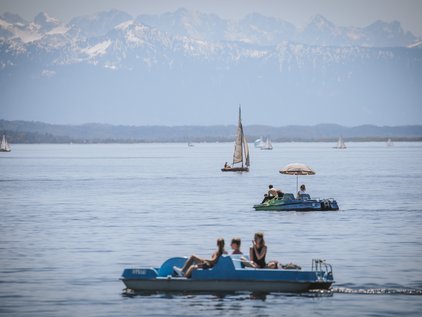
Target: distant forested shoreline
x: 40, y: 132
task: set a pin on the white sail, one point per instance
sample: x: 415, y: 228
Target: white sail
x: 340, y: 143
x: 3, y: 143
x: 246, y: 148
x: 4, y: 146
x: 390, y: 143
x: 238, y: 155
x: 267, y: 145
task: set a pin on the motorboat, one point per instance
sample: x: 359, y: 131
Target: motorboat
x: 259, y: 143
x: 228, y: 275
x: 303, y: 201
x: 288, y: 202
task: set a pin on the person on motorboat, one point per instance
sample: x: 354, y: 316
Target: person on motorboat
x: 258, y: 252
x: 272, y: 193
x: 235, y: 245
x: 302, y: 191
x: 195, y: 262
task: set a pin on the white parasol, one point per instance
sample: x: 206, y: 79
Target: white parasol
x: 297, y: 169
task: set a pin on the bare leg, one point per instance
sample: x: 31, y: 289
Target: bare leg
x: 254, y: 265
x: 193, y: 259
x: 192, y: 268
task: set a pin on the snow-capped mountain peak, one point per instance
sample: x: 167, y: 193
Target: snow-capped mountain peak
x: 13, y: 27
x: 320, y: 22
x: 382, y: 33
x: 124, y: 25
x: 45, y: 23
x: 13, y: 18
x: 416, y: 45
x: 97, y: 24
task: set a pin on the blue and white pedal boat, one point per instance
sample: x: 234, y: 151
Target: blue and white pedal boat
x: 228, y: 275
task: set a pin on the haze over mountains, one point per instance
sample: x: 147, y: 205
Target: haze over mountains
x: 193, y: 68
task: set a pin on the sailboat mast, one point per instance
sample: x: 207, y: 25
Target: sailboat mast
x: 241, y: 133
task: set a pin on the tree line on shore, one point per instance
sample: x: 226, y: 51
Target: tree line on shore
x: 39, y: 132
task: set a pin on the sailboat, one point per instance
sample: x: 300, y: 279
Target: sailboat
x: 267, y: 145
x: 259, y: 143
x: 241, y: 151
x: 4, y: 146
x: 340, y: 144
x: 390, y: 143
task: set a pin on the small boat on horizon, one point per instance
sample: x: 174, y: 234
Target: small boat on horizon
x: 4, y: 146
x: 267, y: 145
x: 389, y: 142
x: 259, y: 143
x: 340, y: 144
x: 241, y: 151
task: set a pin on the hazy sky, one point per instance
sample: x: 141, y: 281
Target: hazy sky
x: 341, y: 12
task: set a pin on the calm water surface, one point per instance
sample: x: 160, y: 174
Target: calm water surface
x: 73, y: 216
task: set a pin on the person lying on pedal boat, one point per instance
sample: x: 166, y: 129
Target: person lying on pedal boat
x: 195, y: 262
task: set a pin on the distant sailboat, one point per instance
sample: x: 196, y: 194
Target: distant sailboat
x: 241, y: 151
x: 267, y: 145
x: 190, y: 144
x: 4, y: 146
x: 389, y: 142
x: 340, y: 144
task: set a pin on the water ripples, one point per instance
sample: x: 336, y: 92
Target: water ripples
x: 377, y: 291
x: 71, y: 225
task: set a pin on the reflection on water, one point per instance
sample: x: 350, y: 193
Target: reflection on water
x: 73, y: 217
x: 263, y: 295
x: 239, y: 295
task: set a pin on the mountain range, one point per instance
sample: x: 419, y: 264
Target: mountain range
x: 188, y: 67
x: 252, y: 29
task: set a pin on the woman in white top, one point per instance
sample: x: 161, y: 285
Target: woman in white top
x: 302, y: 191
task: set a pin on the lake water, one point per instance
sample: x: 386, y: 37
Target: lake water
x: 74, y: 216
